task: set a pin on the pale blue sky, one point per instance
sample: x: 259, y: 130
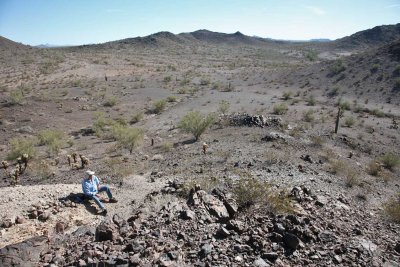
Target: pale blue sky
x: 94, y: 21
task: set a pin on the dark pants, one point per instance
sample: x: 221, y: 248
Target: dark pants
x: 102, y: 189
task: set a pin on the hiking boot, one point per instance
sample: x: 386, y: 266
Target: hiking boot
x: 103, y: 212
x: 113, y: 200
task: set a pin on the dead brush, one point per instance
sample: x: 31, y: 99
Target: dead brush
x: 344, y: 169
x: 392, y: 208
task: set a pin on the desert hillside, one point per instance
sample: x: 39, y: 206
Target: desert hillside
x: 221, y: 149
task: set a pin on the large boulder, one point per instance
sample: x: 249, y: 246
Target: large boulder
x: 25, y: 254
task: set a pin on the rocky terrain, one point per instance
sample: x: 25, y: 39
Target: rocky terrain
x: 269, y: 183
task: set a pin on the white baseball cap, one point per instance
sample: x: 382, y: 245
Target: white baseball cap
x: 89, y: 172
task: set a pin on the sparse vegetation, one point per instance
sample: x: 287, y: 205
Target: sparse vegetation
x: 392, y: 209
x: 349, y: 122
x: 16, y: 97
x: 172, y: 99
x: 223, y: 106
x: 308, y: 116
x: 128, y: 137
x: 196, y: 123
x: 138, y: 116
x: 287, y: 95
x: 110, y: 101
x: 311, y: 101
x: 53, y: 139
x: 280, y: 109
x: 159, y: 106
x: 20, y: 146
x: 390, y: 161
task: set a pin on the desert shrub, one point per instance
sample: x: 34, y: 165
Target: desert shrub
x: 308, y: 116
x: 396, y: 71
x: 373, y: 168
x: 196, y: 123
x: 374, y: 68
x: 16, y: 97
x: 43, y: 169
x: 390, y: 161
x: 337, y: 67
x: 20, y: 146
x: 280, y: 109
x: 392, y: 209
x: 128, y: 137
x: 311, y: 55
x: 167, y: 79
x: 396, y: 85
x: 223, y: 106
x: 378, y: 113
x: 349, y: 122
x: 53, y: 139
x: 317, y: 141
x: 334, y: 91
x: 102, y: 124
x: 204, y: 81
x: 166, y: 147
x: 172, y: 98
x: 311, y: 101
x: 345, y: 105
x: 286, y: 95
x: 110, y: 101
x: 182, y: 91
x: 159, y: 106
x: 249, y: 191
x: 348, y: 172
x: 136, y: 117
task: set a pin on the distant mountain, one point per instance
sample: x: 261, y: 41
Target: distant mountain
x: 8, y: 44
x: 50, y: 46
x: 376, y: 36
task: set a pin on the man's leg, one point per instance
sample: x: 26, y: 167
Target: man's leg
x: 98, y: 202
x: 107, y: 190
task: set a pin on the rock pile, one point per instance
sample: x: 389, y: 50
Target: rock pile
x: 208, y: 230
x: 244, y: 119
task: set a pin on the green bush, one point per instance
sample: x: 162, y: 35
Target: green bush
x: 349, y: 122
x: 167, y: 79
x: 53, y: 139
x: 196, y: 123
x: 345, y: 105
x: 334, y: 91
x: 16, y: 97
x: 136, y: 117
x: 377, y: 112
x: 172, y: 98
x: 223, y: 106
x: 128, y: 137
x: 337, y: 67
x: 311, y: 101
x: 390, y: 161
x: 286, y: 95
x: 20, y: 146
x: 308, y: 116
x: 110, y: 101
x: 102, y: 124
x: 159, y: 106
x: 280, y: 109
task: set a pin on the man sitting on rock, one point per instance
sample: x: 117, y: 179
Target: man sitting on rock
x: 91, y: 187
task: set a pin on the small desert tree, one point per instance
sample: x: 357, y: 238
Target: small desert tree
x: 129, y: 138
x: 196, y: 123
x: 223, y: 106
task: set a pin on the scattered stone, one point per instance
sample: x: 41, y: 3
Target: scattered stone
x: 222, y: 233
x: 260, y: 263
x: 19, y: 220
x: 205, y: 250
x: 291, y: 241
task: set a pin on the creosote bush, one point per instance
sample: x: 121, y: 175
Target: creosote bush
x: 286, y: 95
x: 308, y: 116
x: 311, y: 101
x: 136, y: 117
x: 349, y: 122
x: 16, y: 97
x: 110, y: 101
x: 196, y: 123
x: 280, y: 109
x: 392, y: 209
x: 53, y: 139
x: 250, y: 191
x: 159, y: 106
x: 20, y: 146
x: 127, y: 137
x: 390, y: 161
x: 223, y: 107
